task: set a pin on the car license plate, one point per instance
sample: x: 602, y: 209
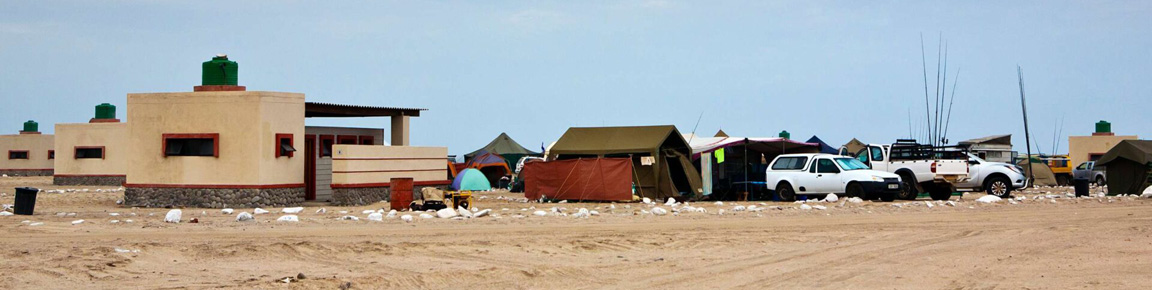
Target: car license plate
x: 893, y: 186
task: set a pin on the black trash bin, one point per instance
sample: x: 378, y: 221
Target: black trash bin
x: 25, y: 200
x: 1081, y: 185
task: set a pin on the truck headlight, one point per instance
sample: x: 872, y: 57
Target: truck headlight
x: 877, y: 178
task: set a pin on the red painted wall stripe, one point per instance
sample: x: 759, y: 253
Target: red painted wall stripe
x: 217, y: 186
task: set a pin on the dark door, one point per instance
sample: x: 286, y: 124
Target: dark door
x: 310, y: 167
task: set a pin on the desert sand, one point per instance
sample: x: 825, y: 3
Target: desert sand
x: 1046, y: 241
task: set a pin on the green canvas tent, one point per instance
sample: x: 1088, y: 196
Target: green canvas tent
x: 504, y: 146
x: 1128, y: 166
x: 660, y: 156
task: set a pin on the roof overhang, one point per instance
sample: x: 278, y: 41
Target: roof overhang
x: 326, y: 110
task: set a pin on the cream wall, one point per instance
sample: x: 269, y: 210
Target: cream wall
x: 1080, y: 147
x: 37, y: 146
x: 112, y: 136
x: 246, y: 122
x: 362, y: 164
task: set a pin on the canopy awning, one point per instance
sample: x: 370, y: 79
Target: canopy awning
x: 702, y: 145
x: 326, y: 110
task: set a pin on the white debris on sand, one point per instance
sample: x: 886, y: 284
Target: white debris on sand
x: 463, y: 212
x: 831, y: 198
x: 819, y: 207
x: 244, y: 216
x: 173, y: 216
x: 406, y: 218
x: 259, y: 211
x: 76, y: 222
x: 482, y: 213
x: 855, y: 200
x: 427, y: 216
x: 950, y: 203
x: 671, y: 202
x: 322, y: 211
x: 659, y: 211
x: 226, y: 211
x: 989, y: 199
x: 4, y: 213
x: 349, y: 218
x: 292, y: 210
x: 119, y: 250
x: 376, y: 217
x: 288, y: 218
x: 646, y: 200
x: 445, y: 213
x: 738, y: 208
x: 805, y: 206
x: 391, y: 214
x: 929, y: 204
x: 368, y: 211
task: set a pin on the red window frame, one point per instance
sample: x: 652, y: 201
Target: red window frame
x: 347, y: 140
x: 291, y: 140
x: 27, y: 155
x: 214, y: 136
x: 102, y: 152
x: 52, y: 154
x: 332, y: 140
x: 367, y: 140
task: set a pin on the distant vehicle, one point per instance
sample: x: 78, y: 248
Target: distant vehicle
x: 820, y: 174
x: 995, y: 178
x: 1089, y: 171
x: 1060, y: 168
x: 920, y: 167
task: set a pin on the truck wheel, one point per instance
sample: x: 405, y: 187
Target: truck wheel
x: 855, y: 190
x: 908, y: 192
x: 784, y: 190
x: 1100, y: 182
x: 998, y: 186
x: 937, y: 192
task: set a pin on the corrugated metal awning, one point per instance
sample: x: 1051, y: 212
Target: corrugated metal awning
x: 326, y: 110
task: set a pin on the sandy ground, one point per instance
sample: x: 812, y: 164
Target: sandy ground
x: 1037, y: 243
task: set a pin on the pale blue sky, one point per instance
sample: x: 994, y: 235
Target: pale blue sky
x: 837, y: 69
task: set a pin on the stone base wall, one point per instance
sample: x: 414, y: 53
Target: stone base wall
x: 88, y: 180
x: 370, y: 195
x: 27, y: 172
x: 213, y: 197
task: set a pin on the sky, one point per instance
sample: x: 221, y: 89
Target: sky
x: 836, y: 69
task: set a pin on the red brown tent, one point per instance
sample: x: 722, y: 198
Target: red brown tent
x: 603, y: 179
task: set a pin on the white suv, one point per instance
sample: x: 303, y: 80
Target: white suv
x: 820, y: 174
x: 995, y: 178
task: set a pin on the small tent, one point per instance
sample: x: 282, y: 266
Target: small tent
x: 1128, y: 166
x: 853, y: 146
x: 471, y: 179
x: 824, y: 147
x: 491, y: 164
x: 1043, y: 176
x: 506, y: 148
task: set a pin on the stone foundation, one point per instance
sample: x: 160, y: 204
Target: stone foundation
x: 370, y: 195
x: 27, y: 172
x: 213, y: 197
x: 88, y: 180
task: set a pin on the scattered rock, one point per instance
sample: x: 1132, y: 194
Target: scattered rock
x: 463, y: 212
x: 989, y: 199
x: 855, y: 200
x: 173, y: 216
x: 659, y: 211
x: 376, y: 217
x: 226, y: 211
x: 446, y: 213
x: 425, y: 216
x: 244, y: 216
x: 831, y: 198
x: 288, y: 218
x: 259, y: 211
x: 292, y: 210
x: 76, y: 222
x: 407, y: 218
x: 540, y: 213
x: 482, y: 213
x: 805, y: 206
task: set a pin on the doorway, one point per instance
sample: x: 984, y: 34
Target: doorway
x: 310, y: 167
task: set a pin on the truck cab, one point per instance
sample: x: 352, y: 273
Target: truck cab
x: 1089, y: 171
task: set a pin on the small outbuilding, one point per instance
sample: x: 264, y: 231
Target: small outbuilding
x: 28, y: 153
x: 660, y: 156
x: 995, y: 148
x: 1128, y: 166
x: 93, y: 153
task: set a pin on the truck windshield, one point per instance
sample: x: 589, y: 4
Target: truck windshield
x: 849, y: 164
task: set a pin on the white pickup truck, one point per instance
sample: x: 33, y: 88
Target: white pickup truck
x: 812, y: 174
x: 995, y: 178
x: 936, y: 170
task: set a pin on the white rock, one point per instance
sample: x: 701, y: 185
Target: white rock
x: 376, y: 217
x: 720, y: 212
x: 670, y: 202
x: 370, y: 211
x: 831, y: 198
x: 406, y: 218
x: 445, y: 213
x: 350, y: 218
x: 482, y: 213
x: 173, y: 216
x: 540, y: 213
x: 659, y: 211
x: 719, y: 203
x: 929, y: 204
x: 288, y: 218
x: 113, y: 213
x: 805, y: 206
x: 463, y: 212
x: 819, y: 207
x: 322, y: 211
x: 738, y: 208
x: 391, y: 214
x: 855, y: 200
x: 292, y: 210
x: 35, y: 224
x: 76, y: 222
x: 950, y: 203
x: 592, y: 212
x: 989, y: 199
x: 426, y: 216
x: 226, y: 211
x: 4, y: 213
x: 244, y: 216
x: 259, y: 211
x: 646, y: 200
x: 114, y: 221
x: 580, y: 215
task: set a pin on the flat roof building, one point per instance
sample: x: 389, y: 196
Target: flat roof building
x: 28, y: 153
x: 93, y: 153
x: 1090, y: 148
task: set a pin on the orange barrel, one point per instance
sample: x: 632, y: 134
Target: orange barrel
x: 401, y: 193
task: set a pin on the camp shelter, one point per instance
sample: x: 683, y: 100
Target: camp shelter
x: 732, y: 168
x: 660, y: 156
x: 1043, y: 176
x: 824, y: 147
x: 853, y: 146
x: 720, y: 133
x: 491, y: 164
x: 598, y: 179
x: 471, y: 179
x: 1128, y: 166
x: 506, y: 148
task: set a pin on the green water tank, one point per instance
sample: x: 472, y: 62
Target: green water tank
x: 105, y: 111
x: 784, y: 134
x: 31, y: 126
x: 219, y: 72
x: 1103, y: 127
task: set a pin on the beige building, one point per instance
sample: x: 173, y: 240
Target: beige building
x: 1090, y: 148
x: 94, y: 153
x: 318, y: 185
x: 362, y: 174
x: 28, y: 153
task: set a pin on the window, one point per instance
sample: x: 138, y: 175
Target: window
x: 862, y: 156
x: 346, y: 140
x: 51, y: 154
x: 366, y: 140
x: 17, y: 154
x: 877, y: 153
x: 89, y: 153
x: 284, y: 145
x: 1082, y: 166
x: 326, y: 145
x: 1095, y: 156
x: 850, y: 164
x: 826, y: 166
x: 192, y: 145
x: 789, y: 163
